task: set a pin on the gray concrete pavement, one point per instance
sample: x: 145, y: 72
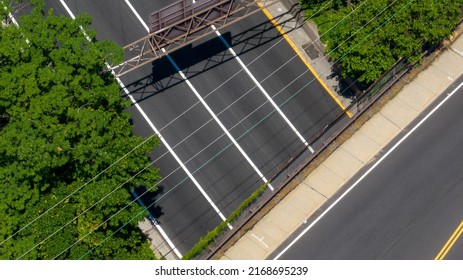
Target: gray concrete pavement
x: 350, y: 157
x: 305, y: 39
x: 157, y: 243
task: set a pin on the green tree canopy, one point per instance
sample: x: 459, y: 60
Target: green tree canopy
x: 63, y: 121
x: 380, y: 32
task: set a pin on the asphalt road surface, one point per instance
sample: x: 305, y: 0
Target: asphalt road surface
x: 221, y: 135
x: 408, y: 207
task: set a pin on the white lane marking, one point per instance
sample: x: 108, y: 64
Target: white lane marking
x: 183, y: 166
x: 264, y: 92
x: 67, y: 9
x: 214, y: 116
x: 165, y: 143
x: 12, y: 19
x: 368, y: 171
x: 164, y: 235
x: 222, y: 126
x: 137, y: 15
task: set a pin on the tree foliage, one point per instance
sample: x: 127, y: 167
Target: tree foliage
x: 377, y: 34
x: 63, y: 121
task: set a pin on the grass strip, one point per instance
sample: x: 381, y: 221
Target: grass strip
x: 211, y: 236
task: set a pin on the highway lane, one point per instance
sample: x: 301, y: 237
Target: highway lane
x: 290, y: 82
x: 308, y: 107
x: 278, y: 139
x: 407, y: 207
x: 182, y: 203
x: 238, y: 177
x: 309, y: 110
x: 228, y: 179
x: 208, y: 66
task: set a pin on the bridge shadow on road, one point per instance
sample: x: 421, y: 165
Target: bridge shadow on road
x: 194, y: 60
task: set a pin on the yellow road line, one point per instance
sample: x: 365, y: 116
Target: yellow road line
x: 290, y: 42
x: 449, y: 244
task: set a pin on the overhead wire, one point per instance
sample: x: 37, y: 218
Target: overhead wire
x: 255, y: 183
x: 248, y: 130
x: 400, y: 10
x: 139, y: 145
x: 143, y: 142
x: 175, y: 146
x: 222, y: 135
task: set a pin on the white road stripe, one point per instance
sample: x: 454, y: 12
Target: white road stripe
x: 243, y: 153
x: 137, y: 15
x: 225, y: 130
x: 68, y: 10
x: 12, y: 19
x: 164, y: 235
x: 368, y: 171
x: 203, y: 192
x: 167, y: 146
x: 264, y: 92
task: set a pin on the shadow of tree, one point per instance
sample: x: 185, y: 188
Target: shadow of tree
x: 149, y: 199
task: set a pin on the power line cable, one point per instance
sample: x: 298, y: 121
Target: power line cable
x: 225, y: 147
x: 258, y: 180
x: 147, y: 139
x: 400, y: 10
x: 219, y: 137
x: 181, y: 142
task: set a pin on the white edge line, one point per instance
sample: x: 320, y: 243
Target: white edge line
x: 457, y: 51
x: 163, y: 233
x: 264, y: 92
x: 368, y: 172
x: 13, y: 19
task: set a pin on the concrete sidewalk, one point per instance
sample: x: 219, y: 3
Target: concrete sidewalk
x: 322, y: 183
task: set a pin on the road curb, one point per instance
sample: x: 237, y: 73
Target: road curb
x: 369, y: 111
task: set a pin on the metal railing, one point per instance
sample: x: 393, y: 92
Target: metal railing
x: 180, y: 24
